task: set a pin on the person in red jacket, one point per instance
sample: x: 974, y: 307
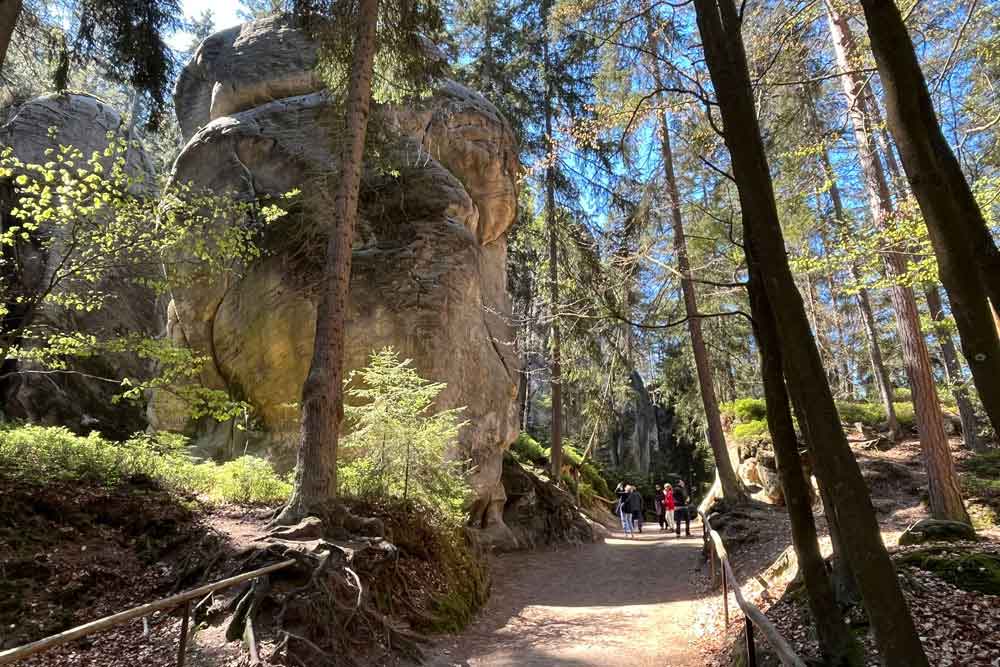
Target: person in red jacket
x: 669, y: 505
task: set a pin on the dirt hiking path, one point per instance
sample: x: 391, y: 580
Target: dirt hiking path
x: 618, y: 602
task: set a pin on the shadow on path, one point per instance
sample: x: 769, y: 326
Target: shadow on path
x: 619, y: 602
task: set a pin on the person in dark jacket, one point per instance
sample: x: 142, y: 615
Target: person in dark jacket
x: 681, y: 499
x: 634, y: 505
x: 621, y: 508
x: 658, y: 505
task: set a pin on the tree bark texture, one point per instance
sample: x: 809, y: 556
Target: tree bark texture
x: 835, y: 464
x: 322, y: 392
x: 10, y: 11
x: 945, y: 494
x: 555, y: 364
x: 836, y: 642
x: 958, y: 231
x: 953, y: 369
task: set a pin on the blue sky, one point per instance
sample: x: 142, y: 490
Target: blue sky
x: 224, y: 12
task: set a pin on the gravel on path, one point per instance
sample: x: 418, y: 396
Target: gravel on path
x: 620, y: 602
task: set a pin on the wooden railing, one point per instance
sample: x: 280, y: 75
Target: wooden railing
x: 19, y: 653
x: 751, y: 614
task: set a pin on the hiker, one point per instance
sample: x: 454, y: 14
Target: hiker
x: 621, y: 507
x: 669, y: 505
x: 634, y: 503
x: 681, y: 500
x: 658, y: 504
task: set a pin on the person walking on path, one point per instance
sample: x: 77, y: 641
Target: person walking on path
x: 658, y: 505
x: 681, y: 513
x: 634, y: 507
x: 622, y: 491
x: 669, y: 505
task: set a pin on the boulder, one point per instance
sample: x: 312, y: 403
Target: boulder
x: 79, y: 400
x: 429, y: 258
x: 936, y: 530
x: 539, y: 513
x: 770, y: 482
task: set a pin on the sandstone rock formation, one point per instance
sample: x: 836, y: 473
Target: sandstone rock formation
x: 74, y: 400
x: 429, y: 266
x: 539, y: 513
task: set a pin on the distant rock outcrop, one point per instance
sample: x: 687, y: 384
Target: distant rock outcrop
x: 429, y: 265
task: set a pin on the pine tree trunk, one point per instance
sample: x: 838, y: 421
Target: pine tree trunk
x: 555, y: 365
x: 953, y: 370
x: 322, y: 393
x: 899, y: 645
x: 945, y: 494
x: 732, y: 489
x: 864, y: 303
x: 836, y: 642
x: 10, y: 11
x: 958, y: 231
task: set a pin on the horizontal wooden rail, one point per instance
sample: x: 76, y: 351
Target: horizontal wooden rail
x: 9, y: 656
x: 781, y: 647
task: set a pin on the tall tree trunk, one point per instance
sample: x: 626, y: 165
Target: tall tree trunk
x: 10, y: 11
x: 555, y: 366
x: 322, y: 392
x: 945, y: 493
x: 958, y: 231
x: 836, y: 642
x: 836, y: 466
x: 953, y: 369
x: 864, y: 303
x: 732, y: 489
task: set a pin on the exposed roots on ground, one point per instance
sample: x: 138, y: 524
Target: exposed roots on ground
x: 359, y: 592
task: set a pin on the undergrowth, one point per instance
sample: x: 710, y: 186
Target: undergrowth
x: 747, y: 417
x: 980, y: 480
x: 41, y: 454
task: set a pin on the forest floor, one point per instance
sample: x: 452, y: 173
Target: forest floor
x: 617, y: 602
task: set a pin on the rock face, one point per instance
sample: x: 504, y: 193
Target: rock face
x: 73, y: 400
x: 539, y: 513
x: 429, y: 259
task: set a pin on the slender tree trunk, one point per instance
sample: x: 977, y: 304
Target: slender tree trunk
x: 958, y: 231
x: 322, y: 393
x: 836, y: 642
x: 878, y: 364
x: 953, y: 369
x: 555, y: 437
x: 945, y: 493
x: 732, y: 489
x: 10, y: 11
x: 864, y: 303
x: 899, y: 645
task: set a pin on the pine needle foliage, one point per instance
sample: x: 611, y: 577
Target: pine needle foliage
x: 406, y: 63
x: 398, y: 446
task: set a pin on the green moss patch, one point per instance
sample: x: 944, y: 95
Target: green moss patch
x: 969, y: 570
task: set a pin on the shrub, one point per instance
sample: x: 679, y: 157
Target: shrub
x: 869, y: 414
x: 750, y: 431
x: 527, y: 450
x: 249, y: 479
x: 41, y: 454
x: 397, y: 448
x: 746, y: 410
x: 902, y: 395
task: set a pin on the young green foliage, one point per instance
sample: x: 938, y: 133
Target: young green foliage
x: 99, y: 232
x: 397, y: 446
